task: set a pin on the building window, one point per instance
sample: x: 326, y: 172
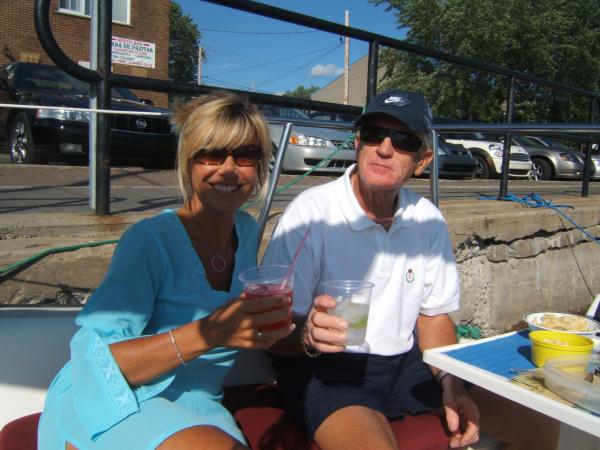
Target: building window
x: 120, y: 8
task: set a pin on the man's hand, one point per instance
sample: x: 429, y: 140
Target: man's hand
x: 462, y: 415
x: 325, y: 332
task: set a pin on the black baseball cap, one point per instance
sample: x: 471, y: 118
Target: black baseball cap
x: 409, y: 108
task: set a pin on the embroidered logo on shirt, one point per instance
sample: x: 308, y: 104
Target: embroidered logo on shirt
x: 410, y: 276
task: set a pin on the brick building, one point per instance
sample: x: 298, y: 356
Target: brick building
x: 140, y: 36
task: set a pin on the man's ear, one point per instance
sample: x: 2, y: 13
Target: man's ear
x: 426, y: 157
x: 357, y: 143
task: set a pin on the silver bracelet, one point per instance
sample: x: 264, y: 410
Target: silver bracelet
x: 439, y: 375
x: 176, y: 348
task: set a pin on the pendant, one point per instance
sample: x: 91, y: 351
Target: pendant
x: 218, y: 263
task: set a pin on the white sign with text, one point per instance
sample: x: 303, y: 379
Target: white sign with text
x: 133, y: 53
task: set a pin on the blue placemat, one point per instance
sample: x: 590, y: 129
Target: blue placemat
x: 499, y: 355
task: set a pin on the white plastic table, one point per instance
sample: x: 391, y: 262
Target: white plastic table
x: 579, y: 429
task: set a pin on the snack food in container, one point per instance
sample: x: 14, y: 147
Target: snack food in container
x: 573, y: 378
x: 569, y: 323
x: 549, y: 344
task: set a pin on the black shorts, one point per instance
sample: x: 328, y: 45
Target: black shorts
x: 314, y: 388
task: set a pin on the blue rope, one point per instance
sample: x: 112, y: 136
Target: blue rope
x: 535, y: 201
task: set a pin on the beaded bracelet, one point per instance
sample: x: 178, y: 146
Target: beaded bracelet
x: 176, y: 348
x: 309, y: 351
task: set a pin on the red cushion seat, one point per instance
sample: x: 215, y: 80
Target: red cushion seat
x: 258, y: 411
x: 20, y: 434
x: 260, y: 415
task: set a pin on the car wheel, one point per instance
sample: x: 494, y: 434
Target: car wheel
x: 20, y: 143
x: 483, y: 165
x: 542, y: 168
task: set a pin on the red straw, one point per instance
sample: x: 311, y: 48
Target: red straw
x: 297, y: 253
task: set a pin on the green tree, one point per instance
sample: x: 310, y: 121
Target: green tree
x: 183, y: 46
x: 558, y: 40
x: 302, y: 92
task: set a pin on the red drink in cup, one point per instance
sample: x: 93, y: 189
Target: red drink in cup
x: 268, y: 281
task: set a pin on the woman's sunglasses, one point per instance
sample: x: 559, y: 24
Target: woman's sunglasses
x: 401, y: 140
x: 244, y: 156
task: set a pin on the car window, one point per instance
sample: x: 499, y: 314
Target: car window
x: 524, y: 140
x: 467, y: 135
x: 123, y: 93
x: 37, y: 76
x: 286, y: 113
x: 321, y: 115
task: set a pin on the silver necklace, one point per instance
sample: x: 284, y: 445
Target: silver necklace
x: 217, y: 262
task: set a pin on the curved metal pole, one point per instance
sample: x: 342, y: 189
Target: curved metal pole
x: 264, y: 212
x: 41, y: 20
x: 100, y: 85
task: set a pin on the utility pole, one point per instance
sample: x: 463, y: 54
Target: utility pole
x: 200, y: 64
x: 346, y: 60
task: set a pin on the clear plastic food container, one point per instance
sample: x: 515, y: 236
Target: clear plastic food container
x: 575, y: 378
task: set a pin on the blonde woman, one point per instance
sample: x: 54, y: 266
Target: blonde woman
x: 162, y: 330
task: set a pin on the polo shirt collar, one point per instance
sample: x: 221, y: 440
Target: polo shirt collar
x: 355, y: 215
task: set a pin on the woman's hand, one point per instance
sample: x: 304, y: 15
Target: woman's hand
x: 325, y: 332
x: 247, y: 323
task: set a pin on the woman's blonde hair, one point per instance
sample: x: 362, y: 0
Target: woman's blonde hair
x: 219, y: 120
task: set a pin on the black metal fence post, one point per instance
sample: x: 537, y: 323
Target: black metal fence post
x: 372, y: 70
x: 507, y: 138
x: 102, y: 167
x: 588, y: 152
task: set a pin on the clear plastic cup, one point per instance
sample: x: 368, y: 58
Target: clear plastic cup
x: 267, y: 281
x: 353, y: 298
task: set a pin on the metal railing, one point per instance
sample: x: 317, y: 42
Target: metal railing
x: 101, y: 80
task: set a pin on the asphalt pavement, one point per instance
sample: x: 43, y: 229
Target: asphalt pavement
x: 58, y: 188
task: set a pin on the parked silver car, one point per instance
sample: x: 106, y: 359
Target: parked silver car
x: 552, y: 160
x: 455, y: 161
x: 596, y: 162
x: 310, y: 146
x: 488, y: 153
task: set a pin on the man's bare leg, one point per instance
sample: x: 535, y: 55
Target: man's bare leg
x: 355, y: 427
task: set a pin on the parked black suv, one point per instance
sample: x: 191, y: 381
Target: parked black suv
x: 41, y: 135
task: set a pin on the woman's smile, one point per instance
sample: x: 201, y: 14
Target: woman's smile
x: 226, y: 188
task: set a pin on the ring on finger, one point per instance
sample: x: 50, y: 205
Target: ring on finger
x: 259, y: 333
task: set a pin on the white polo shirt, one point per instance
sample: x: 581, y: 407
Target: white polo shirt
x: 411, y: 264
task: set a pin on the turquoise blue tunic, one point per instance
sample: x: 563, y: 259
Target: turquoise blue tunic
x: 155, y: 282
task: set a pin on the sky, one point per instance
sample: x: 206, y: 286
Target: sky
x: 250, y: 52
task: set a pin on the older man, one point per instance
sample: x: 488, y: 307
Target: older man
x: 367, y: 226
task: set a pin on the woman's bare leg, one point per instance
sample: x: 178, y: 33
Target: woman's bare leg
x: 201, y: 437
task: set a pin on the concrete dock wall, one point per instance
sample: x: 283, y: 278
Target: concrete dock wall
x: 511, y: 259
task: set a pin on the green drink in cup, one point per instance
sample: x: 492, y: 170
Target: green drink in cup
x: 353, y: 298
x: 268, y: 281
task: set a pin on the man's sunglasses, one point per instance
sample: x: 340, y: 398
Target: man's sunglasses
x: 244, y: 156
x: 401, y: 140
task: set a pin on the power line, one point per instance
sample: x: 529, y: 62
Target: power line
x: 277, y: 61
x: 259, y: 32
x: 234, y: 85
x: 270, y: 80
